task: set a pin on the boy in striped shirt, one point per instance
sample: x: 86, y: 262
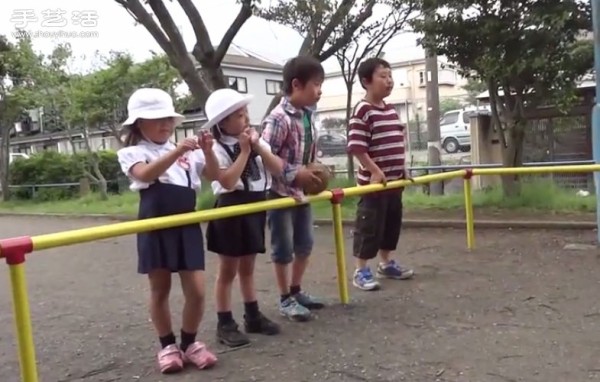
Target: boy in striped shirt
x: 376, y: 139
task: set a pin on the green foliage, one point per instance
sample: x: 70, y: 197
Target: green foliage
x: 50, y: 167
x: 449, y: 104
x: 474, y: 87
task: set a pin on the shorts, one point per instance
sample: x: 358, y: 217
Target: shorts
x: 291, y: 232
x: 378, y: 224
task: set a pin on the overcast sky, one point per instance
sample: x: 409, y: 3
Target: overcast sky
x: 116, y: 29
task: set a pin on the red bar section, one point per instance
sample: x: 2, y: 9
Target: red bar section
x: 14, y: 249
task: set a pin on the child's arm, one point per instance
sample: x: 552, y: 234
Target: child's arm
x: 275, y: 131
x: 149, y: 172
x: 272, y: 162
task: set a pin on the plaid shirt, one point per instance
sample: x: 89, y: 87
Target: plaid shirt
x: 283, y: 129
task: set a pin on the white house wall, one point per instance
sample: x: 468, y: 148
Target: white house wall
x: 256, y: 83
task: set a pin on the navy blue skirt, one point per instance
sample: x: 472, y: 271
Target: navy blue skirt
x: 175, y: 249
x: 238, y: 235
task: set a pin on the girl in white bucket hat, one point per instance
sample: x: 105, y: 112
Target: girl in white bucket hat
x: 167, y: 177
x: 246, y: 164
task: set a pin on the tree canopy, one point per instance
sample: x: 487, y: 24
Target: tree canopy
x: 527, y: 52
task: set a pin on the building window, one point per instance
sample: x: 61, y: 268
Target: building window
x: 422, y: 80
x: 237, y: 83
x: 273, y: 86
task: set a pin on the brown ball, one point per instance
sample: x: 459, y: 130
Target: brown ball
x: 324, y: 173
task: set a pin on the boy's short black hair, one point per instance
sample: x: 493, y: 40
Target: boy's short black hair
x: 303, y: 69
x: 368, y: 67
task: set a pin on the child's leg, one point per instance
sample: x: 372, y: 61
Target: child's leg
x: 254, y: 320
x: 393, y: 224
x: 192, y: 284
x: 282, y: 244
x: 227, y: 329
x: 303, y: 245
x: 368, y: 228
x: 160, y: 287
x: 169, y: 358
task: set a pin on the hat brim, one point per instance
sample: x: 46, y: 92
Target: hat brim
x: 159, y: 114
x: 245, y: 101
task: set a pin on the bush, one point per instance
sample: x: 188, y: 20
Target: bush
x: 50, y: 167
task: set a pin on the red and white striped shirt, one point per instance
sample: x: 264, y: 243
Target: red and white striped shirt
x: 379, y: 132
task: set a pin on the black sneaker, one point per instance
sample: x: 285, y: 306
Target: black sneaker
x: 228, y: 334
x: 261, y: 325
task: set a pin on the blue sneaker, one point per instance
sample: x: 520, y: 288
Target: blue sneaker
x: 308, y: 301
x: 363, y: 279
x: 291, y: 309
x: 393, y: 270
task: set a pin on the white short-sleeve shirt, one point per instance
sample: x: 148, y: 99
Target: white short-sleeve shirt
x: 147, y: 152
x: 262, y: 184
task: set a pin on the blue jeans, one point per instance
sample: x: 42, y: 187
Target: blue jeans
x: 291, y: 233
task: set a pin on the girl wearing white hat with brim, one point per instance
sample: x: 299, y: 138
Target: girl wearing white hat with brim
x: 167, y: 177
x: 246, y: 164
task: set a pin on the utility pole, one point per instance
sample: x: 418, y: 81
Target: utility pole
x: 433, y: 111
x: 596, y: 109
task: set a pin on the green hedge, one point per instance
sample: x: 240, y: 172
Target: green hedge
x: 51, y: 167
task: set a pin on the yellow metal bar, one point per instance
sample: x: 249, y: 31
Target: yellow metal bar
x: 25, y: 343
x: 340, y: 256
x: 85, y: 235
x: 537, y: 170
x: 469, y: 213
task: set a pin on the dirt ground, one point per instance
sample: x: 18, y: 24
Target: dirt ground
x: 518, y: 308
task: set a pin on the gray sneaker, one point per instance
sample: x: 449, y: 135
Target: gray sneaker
x: 291, y: 309
x: 308, y: 301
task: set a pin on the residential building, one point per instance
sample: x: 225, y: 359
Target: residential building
x: 409, y: 93
x: 244, y: 71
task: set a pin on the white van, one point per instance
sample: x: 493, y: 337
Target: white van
x: 455, y: 129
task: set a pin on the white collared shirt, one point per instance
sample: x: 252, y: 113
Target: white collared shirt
x: 262, y: 184
x: 146, y: 152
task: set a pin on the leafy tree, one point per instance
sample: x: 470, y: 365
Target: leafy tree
x: 525, y: 51
x: 333, y: 123
x: 474, y: 87
x: 369, y: 40
x: 209, y: 76
x: 326, y: 25
x: 17, y: 94
x: 449, y: 104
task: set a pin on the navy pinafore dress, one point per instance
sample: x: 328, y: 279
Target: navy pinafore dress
x: 176, y: 249
x: 239, y: 235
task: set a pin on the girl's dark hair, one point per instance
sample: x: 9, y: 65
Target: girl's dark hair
x: 133, y: 136
x: 215, y: 130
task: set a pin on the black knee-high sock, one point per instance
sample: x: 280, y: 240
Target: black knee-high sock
x: 251, y: 309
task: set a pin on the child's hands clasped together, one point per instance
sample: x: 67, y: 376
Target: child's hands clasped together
x: 205, y: 141
x: 188, y: 144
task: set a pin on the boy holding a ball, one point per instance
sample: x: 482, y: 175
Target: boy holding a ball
x: 290, y: 131
x: 376, y: 139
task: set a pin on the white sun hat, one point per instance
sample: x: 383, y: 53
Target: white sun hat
x: 151, y: 103
x: 221, y: 103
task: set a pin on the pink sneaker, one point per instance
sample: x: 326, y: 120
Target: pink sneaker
x: 198, y: 355
x: 169, y: 360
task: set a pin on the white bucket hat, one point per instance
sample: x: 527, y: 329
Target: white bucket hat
x: 150, y: 103
x: 222, y: 103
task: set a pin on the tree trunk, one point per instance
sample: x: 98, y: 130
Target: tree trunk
x: 350, y: 158
x: 274, y: 102
x: 513, y: 157
x: 103, y: 187
x: 4, y: 163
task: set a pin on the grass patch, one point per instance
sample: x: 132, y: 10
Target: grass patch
x: 535, y: 196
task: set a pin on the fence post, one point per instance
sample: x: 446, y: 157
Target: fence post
x: 337, y: 195
x: 469, y: 209
x: 14, y: 251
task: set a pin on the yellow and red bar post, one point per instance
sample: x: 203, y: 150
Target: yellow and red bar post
x: 337, y: 195
x: 14, y: 251
x: 469, y: 216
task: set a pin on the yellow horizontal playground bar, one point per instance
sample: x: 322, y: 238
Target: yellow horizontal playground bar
x: 14, y: 250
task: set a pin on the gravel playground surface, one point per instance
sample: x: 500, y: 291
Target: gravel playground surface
x: 518, y: 308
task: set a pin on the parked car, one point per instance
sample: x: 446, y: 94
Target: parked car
x: 331, y: 144
x: 455, y: 131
